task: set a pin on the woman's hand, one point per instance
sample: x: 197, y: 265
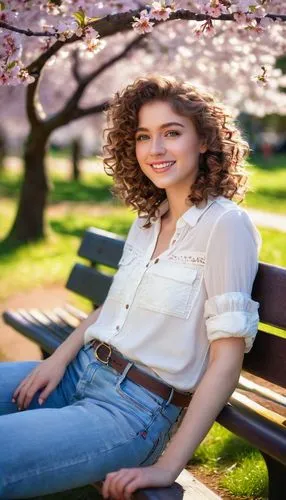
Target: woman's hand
x: 121, y: 484
x: 46, y: 375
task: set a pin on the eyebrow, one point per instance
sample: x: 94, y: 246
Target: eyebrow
x: 165, y: 125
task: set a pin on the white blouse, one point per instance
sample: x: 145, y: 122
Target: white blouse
x: 163, y: 313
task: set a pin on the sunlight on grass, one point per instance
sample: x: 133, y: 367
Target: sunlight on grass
x: 243, y: 467
x: 247, y: 477
x: 268, y: 185
x: 273, y: 247
x: 50, y: 262
x: 220, y: 448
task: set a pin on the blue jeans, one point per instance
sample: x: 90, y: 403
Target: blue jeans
x: 94, y: 422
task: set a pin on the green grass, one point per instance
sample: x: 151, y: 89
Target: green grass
x: 273, y: 247
x: 50, y: 262
x: 241, y: 469
x: 268, y: 184
x: 93, y: 188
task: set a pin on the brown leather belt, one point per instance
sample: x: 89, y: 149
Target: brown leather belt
x: 106, y: 354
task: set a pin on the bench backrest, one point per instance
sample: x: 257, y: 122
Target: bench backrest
x: 267, y: 358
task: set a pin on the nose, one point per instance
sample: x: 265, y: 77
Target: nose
x: 157, y: 146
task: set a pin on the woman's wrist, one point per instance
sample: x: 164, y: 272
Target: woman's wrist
x: 170, y: 467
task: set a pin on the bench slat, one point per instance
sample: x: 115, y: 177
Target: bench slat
x: 269, y: 289
x: 71, y: 321
x: 267, y: 358
x: 186, y: 487
x: 77, y: 313
x: 101, y: 247
x: 55, y: 319
x: 248, y: 385
x: 260, y: 432
x: 89, y: 283
x: 41, y: 335
x: 39, y: 318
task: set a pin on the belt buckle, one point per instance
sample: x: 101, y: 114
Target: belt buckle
x: 108, y: 356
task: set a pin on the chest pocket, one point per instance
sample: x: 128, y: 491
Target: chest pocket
x: 169, y: 288
x: 121, y: 278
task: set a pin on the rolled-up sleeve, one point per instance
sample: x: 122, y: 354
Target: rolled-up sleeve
x: 231, y: 266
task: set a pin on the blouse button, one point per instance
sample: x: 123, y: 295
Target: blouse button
x: 157, y: 260
x: 117, y: 328
x: 127, y: 306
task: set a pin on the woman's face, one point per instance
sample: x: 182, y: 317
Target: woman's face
x: 167, y: 146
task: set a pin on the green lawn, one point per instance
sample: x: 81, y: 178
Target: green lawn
x: 49, y: 262
x: 240, y: 467
x: 268, y: 185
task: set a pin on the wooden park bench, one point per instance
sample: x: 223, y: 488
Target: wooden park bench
x: 263, y: 428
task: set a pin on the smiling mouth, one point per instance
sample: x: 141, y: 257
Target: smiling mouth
x: 162, y: 167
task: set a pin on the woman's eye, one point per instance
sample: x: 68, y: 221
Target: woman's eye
x: 141, y: 137
x: 173, y: 133
x: 170, y: 133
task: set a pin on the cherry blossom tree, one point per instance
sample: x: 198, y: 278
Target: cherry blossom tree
x: 230, y: 45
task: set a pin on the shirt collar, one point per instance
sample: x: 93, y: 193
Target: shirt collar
x: 191, y: 216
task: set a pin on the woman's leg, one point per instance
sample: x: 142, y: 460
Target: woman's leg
x: 109, y: 423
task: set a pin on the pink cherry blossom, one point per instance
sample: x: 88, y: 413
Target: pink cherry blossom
x: 143, y: 24
x: 159, y: 11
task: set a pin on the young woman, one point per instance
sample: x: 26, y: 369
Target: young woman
x: 175, y: 325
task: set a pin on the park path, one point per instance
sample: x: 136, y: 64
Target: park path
x: 268, y: 219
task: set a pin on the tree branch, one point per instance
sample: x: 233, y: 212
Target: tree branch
x: 67, y: 112
x: 36, y: 66
x: 61, y: 119
x: 94, y: 74
x: 75, y: 67
x: 98, y: 108
x: 117, y: 21
x: 27, y: 32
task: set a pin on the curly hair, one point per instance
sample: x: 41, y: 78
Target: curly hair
x: 221, y: 170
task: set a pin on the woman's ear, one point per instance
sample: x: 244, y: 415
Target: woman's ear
x: 203, y: 148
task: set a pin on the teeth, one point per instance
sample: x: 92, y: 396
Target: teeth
x: 163, y: 165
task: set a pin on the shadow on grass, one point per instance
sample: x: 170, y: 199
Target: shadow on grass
x: 71, y: 227
x: 269, y: 194
x: 97, y: 190
x: 8, y: 248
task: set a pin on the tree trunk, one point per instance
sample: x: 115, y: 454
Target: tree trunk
x: 2, y: 150
x: 76, y: 154
x: 29, y: 224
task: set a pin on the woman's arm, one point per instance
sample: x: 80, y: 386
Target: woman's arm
x: 213, y: 391
x: 67, y: 351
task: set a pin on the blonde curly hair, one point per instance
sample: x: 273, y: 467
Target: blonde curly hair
x: 221, y: 170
